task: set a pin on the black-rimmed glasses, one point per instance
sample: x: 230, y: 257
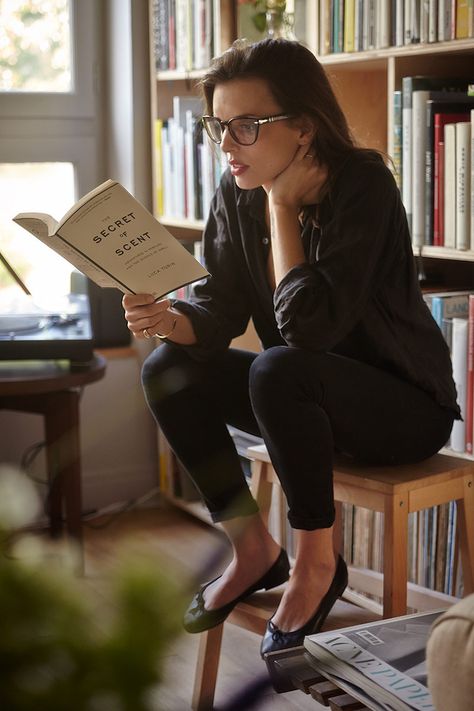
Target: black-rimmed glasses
x: 243, y: 129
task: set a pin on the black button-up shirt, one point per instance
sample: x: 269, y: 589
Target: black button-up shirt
x: 357, y: 293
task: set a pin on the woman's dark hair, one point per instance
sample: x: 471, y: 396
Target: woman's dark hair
x: 298, y: 83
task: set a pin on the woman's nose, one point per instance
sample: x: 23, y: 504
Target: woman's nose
x: 227, y: 142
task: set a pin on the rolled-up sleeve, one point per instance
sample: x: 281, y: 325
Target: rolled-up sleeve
x: 218, y: 306
x: 317, y: 305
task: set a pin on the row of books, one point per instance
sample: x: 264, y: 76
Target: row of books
x: 188, y: 167
x: 432, y: 153
x: 453, y: 311
x: 360, y: 25
x: 433, y: 556
x: 185, y: 33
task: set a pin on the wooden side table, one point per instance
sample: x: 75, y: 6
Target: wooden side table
x: 52, y: 389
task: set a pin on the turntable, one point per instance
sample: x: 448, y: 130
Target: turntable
x: 29, y: 331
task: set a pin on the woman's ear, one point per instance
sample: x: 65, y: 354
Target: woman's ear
x: 307, y: 130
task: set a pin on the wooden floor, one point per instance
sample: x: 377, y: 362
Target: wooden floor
x: 186, y: 545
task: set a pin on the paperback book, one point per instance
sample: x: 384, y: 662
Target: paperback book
x: 383, y: 663
x: 113, y: 239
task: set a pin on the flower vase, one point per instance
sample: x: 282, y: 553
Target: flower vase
x: 279, y: 24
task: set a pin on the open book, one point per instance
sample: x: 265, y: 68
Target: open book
x: 113, y: 239
x: 383, y: 664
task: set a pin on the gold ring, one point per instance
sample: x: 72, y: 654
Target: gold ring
x: 145, y: 333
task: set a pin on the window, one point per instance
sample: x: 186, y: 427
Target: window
x: 49, y: 128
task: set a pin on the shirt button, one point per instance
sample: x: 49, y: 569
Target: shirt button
x: 265, y: 240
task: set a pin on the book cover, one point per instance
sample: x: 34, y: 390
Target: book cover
x: 113, y: 239
x: 382, y: 662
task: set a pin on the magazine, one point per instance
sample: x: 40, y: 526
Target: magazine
x: 383, y: 664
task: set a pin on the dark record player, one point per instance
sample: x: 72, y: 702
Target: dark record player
x: 30, y: 332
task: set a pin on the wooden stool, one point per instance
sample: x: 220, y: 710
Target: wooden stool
x: 396, y: 491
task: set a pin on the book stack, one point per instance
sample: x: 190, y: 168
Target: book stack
x: 433, y: 119
x: 184, y: 33
x: 361, y: 25
x: 188, y: 168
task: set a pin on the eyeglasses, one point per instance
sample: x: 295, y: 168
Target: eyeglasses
x: 243, y: 129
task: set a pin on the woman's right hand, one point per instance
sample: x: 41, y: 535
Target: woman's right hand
x: 143, y: 312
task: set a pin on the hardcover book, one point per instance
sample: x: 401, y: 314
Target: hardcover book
x: 113, y: 239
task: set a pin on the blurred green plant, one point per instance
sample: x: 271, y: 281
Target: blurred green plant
x: 58, y: 649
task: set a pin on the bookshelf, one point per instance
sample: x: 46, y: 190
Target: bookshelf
x: 365, y: 82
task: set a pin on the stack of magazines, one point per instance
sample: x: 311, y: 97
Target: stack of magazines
x: 382, y: 664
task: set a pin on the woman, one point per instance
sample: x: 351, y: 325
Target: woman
x: 307, y: 235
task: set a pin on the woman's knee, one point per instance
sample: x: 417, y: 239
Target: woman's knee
x: 162, y: 369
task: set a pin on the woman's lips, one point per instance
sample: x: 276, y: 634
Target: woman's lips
x: 237, y: 168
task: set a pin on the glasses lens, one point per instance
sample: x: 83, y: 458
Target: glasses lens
x: 244, y: 131
x: 213, y: 128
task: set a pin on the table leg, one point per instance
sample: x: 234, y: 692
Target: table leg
x: 64, y: 462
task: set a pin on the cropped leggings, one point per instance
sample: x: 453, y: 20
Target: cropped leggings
x: 305, y: 405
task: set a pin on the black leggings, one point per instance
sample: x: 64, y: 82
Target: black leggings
x: 305, y: 405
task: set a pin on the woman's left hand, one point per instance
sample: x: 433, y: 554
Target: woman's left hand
x: 300, y: 182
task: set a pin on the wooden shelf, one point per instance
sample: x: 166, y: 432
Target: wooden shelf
x: 444, y: 253
x: 412, y: 51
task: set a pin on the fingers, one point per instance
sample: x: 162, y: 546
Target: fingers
x: 142, y: 312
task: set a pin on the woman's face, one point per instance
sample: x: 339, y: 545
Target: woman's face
x: 276, y: 144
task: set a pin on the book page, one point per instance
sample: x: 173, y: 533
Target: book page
x: 39, y: 224
x: 43, y: 229
x: 121, y: 237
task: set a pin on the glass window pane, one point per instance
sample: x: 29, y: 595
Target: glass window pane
x: 35, y: 46
x: 34, y: 187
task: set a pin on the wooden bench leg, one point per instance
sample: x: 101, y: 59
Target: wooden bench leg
x: 395, y: 574
x: 206, y: 669
x: 466, y: 534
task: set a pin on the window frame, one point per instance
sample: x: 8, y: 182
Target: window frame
x: 80, y: 102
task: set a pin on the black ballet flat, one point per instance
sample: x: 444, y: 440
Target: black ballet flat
x: 198, y: 619
x: 275, y: 639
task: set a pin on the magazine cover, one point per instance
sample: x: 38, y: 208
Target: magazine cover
x: 384, y: 661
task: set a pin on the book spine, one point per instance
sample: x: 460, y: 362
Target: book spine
x: 450, y: 185
x: 459, y: 358
x: 399, y: 23
x: 433, y: 21
x: 441, y: 20
x: 472, y: 179
x: 463, y: 189
x: 397, y: 137
x: 407, y: 144
x: 462, y: 19
x: 160, y: 34
x: 424, y: 21
x: 349, y: 17
x: 158, y: 130
x: 418, y: 167
x: 470, y: 377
